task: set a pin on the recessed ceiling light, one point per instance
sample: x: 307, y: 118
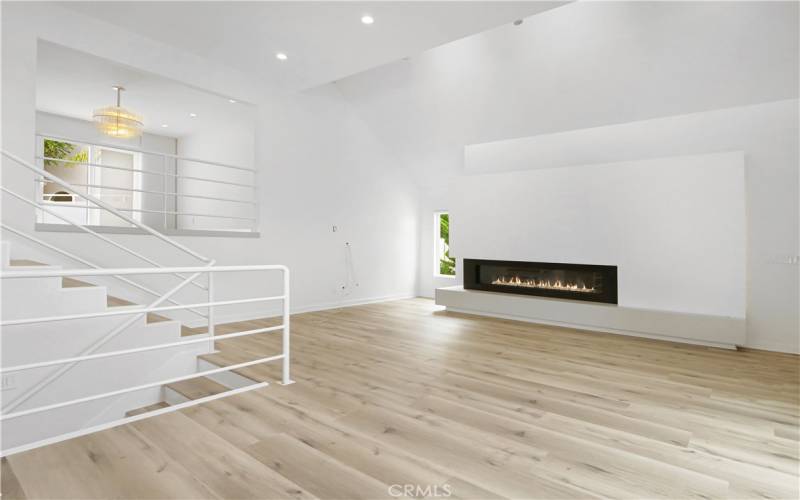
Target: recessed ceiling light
x: 193, y: 115
x: 164, y: 125
x: 367, y: 19
x: 281, y: 56
x: 232, y: 101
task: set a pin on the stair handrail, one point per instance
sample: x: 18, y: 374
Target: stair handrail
x: 164, y: 297
x: 88, y: 263
x: 94, y: 233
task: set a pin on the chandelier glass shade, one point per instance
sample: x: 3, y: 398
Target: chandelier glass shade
x: 117, y: 121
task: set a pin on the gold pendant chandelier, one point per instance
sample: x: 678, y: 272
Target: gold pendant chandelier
x: 117, y: 121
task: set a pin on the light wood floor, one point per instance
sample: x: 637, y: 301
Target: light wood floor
x: 401, y: 393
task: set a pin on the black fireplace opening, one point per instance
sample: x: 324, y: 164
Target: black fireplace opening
x: 594, y: 283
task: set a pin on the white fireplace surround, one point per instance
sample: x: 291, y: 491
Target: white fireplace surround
x: 637, y: 215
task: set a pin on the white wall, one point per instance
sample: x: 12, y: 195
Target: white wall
x: 320, y: 166
x: 767, y: 133
x: 232, y: 142
x: 674, y: 227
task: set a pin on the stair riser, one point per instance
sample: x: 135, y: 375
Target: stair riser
x: 173, y: 397
x: 40, y: 297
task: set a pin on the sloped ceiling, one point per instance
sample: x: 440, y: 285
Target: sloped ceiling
x: 325, y: 41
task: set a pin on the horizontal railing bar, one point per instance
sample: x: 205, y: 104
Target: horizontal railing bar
x: 51, y: 273
x: 90, y: 231
x: 138, y: 387
x: 90, y: 164
x: 90, y: 264
x: 128, y: 420
x: 122, y: 352
x: 124, y: 312
x: 101, y: 203
x: 144, y: 151
x: 126, y: 169
x: 161, y: 193
x: 140, y: 210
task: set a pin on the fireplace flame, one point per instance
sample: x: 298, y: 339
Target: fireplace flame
x: 532, y: 283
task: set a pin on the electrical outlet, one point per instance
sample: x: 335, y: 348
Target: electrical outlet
x: 8, y: 382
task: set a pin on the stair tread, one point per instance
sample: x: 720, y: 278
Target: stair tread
x: 222, y: 359
x: 145, y: 409
x: 73, y: 283
x: 25, y: 263
x: 197, y: 387
x: 118, y: 302
x: 186, y: 331
x: 112, y: 301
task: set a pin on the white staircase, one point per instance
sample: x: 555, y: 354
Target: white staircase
x: 29, y: 343
x: 80, y: 351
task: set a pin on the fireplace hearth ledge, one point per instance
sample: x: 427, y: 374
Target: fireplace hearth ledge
x: 715, y: 331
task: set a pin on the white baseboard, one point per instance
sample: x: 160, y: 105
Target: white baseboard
x: 351, y: 303
x: 774, y: 347
x: 252, y: 315
x: 592, y: 328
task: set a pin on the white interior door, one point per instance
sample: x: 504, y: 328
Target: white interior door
x: 118, y: 185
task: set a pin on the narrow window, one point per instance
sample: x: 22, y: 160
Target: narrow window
x: 444, y: 265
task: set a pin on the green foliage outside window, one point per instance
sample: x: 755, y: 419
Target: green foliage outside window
x: 447, y: 264
x: 63, y: 151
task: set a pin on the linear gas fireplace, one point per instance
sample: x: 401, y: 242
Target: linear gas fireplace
x: 545, y: 279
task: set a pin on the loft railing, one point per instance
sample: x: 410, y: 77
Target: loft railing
x: 283, y: 357
x: 185, y: 194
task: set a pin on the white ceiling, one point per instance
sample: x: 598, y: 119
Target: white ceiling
x: 73, y: 83
x: 325, y: 41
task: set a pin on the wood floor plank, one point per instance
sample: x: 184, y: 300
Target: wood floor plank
x: 496, y: 468
x: 198, y: 387
x: 226, y: 470
x: 315, y: 471
x: 609, y: 469
x: 11, y: 487
x: 111, y: 464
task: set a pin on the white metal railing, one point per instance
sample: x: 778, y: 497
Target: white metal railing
x: 188, y: 277
x: 284, y: 327
x: 160, y: 297
x: 224, y: 204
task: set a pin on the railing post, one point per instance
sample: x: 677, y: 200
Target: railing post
x: 164, y: 189
x: 210, y: 310
x: 256, y: 204
x: 285, y: 340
